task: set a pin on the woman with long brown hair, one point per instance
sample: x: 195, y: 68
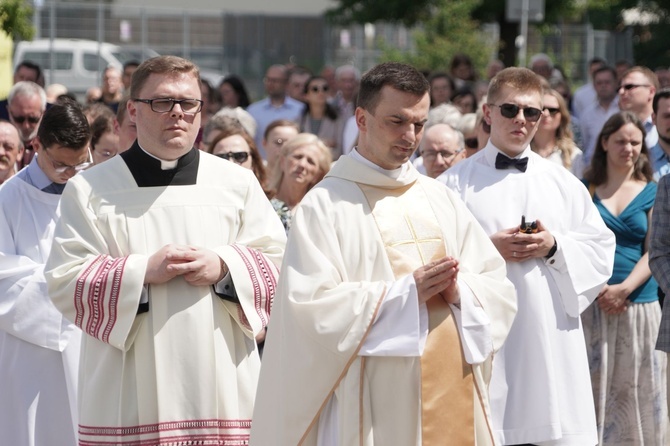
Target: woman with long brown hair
x: 627, y: 373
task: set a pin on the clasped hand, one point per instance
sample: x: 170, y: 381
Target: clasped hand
x: 438, y: 278
x: 613, y: 299
x: 198, y: 266
x: 517, y: 246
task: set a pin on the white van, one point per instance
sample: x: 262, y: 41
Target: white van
x: 77, y: 63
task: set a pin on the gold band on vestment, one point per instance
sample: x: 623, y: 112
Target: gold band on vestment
x: 412, y: 238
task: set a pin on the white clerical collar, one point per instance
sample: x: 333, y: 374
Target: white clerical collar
x: 165, y: 165
x: 491, y: 152
x: 396, y: 174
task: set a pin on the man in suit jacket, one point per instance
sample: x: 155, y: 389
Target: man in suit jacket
x: 659, y: 255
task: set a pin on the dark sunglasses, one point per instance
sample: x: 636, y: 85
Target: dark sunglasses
x: 511, y: 111
x: 238, y: 157
x: 471, y: 143
x: 629, y: 87
x: 316, y: 88
x: 552, y: 111
x: 30, y: 119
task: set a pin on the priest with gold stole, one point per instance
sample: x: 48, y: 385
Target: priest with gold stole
x: 392, y: 300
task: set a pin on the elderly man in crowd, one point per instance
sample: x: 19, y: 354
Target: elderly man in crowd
x: 26, y: 104
x: 441, y: 147
x: 11, y: 150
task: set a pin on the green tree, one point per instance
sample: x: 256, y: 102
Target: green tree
x: 649, y: 39
x: 15, y: 19
x: 448, y: 30
x: 449, y: 18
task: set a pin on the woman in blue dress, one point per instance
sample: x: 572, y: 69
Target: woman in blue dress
x: 627, y: 374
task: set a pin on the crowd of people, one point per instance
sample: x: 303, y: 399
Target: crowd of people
x: 417, y: 258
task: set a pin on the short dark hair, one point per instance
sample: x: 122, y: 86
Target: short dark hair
x: 101, y: 125
x: 663, y: 93
x: 597, y: 60
x: 442, y: 75
x: 168, y: 65
x: 603, y: 69
x: 397, y: 75
x: 596, y: 174
x: 64, y: 125
x: 131, y: 63
x: 31, y: 66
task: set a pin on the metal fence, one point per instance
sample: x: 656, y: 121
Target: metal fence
x: 246, y: 44
x: 571, y: 46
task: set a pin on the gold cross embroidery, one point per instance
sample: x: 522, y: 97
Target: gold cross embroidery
x: 414, y: 240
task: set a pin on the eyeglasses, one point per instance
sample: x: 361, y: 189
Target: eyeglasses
x: 629, y: 87
x: 22, y: 119
x: 164, y: 105
x: 62, y: 167
x: 552, y: 111
x: 471, y: 143
x: 317, y: 88
x: 279, y: 141
x: 511, y: 111
x: 238, y: 157
x: 445, y: 154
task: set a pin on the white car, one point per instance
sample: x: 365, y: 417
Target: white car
x: 75, y: 63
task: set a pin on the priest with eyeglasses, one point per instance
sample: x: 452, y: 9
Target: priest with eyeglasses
x: 559, y: 254
x: 166, y: 259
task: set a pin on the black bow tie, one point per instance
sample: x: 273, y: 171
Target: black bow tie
x: 505, y: 162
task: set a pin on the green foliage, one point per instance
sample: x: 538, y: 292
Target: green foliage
x: 450, y: 26
x: 445, y: 29
x: 15, y: 19
x: 447, y: 32
x: 371, y: 11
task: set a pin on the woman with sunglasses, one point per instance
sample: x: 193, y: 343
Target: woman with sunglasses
x: 302, y: 162
x: 554, y: 138
x: 621, y: 327
x: 320, y: 117
x: 235, y: 145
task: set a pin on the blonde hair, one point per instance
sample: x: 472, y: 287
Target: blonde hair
x: 564, y: 136
x: 293, y: 144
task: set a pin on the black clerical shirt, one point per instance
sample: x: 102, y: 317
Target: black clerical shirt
x: 147, y: 170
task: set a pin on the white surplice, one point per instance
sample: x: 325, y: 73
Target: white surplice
x: 184, y: 372
x: 39, y: 347
x: 541, y: 388
x: 342, y: 359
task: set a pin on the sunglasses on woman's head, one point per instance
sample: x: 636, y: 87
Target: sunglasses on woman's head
x: 511, y: 111
x: 238, y: 157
